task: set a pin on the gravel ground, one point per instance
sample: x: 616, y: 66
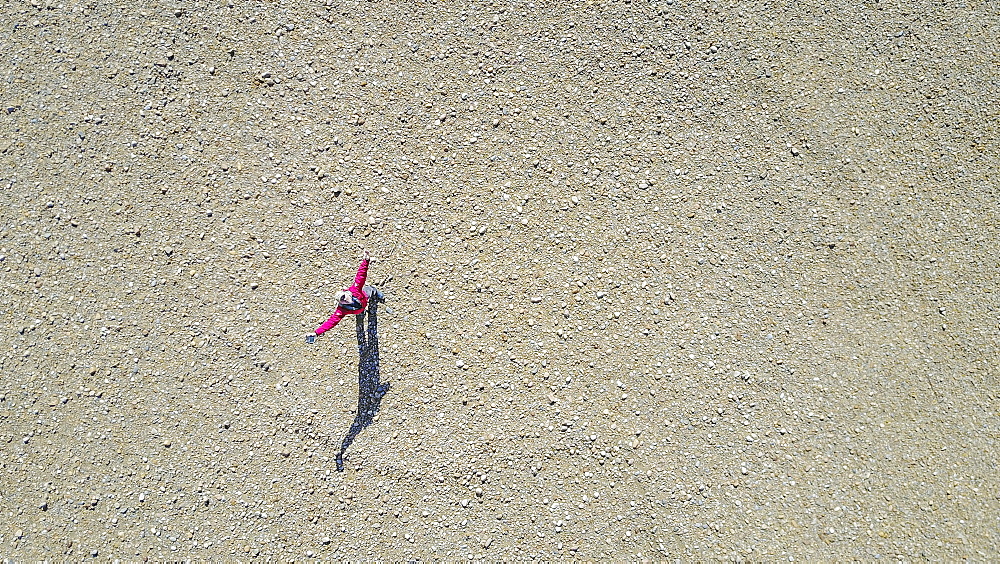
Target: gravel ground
x: 672, y: 279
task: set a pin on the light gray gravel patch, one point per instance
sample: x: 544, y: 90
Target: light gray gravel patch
x: 669, y: 280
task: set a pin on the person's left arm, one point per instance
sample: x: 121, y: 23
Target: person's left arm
x: 362, y: 276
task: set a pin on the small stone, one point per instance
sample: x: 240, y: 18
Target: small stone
x: 318, y: 222
x: 166, y: 443
x: 536, y: 299
x: 464, y: 502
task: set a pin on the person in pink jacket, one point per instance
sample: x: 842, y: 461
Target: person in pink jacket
x: 356, y: 300
x: 351, y: 301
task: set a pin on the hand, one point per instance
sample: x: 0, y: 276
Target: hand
x: 367, y: 256
x: 311, y: 338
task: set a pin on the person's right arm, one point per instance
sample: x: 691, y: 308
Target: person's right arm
x: 330, y: 323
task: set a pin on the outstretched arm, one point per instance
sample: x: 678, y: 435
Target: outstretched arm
x: 359, y: 280
x: 330, y: 323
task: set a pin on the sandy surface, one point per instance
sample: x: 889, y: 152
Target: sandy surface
x: 669, y: 279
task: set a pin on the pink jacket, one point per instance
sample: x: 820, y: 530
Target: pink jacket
x: 356, y: 290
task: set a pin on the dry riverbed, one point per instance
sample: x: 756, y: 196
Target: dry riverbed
x: 668, y: 280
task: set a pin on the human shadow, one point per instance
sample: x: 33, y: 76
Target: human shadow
x: 371, y: 389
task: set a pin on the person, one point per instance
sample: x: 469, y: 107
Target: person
x: 352, y: 301
x: 355, y: 301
